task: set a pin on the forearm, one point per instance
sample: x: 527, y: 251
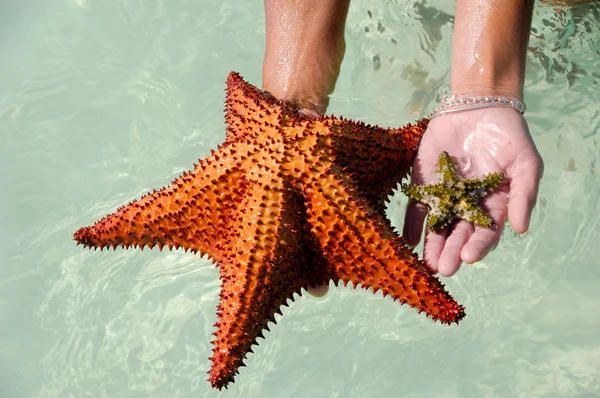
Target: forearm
x: 490, y: 46
x: 304, y: 50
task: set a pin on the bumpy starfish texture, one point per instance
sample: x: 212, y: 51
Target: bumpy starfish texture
x: 452, y: 197
x: 287, y: 202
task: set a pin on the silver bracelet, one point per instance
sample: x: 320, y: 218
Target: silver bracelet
x: 458, y: 103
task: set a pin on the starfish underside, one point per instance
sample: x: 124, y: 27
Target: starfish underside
x: 287, y: 202
x: 452, y: 197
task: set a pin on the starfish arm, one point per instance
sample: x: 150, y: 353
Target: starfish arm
x: 485, y: 184
x: 413, y: 191
x: 469, y: 210
x: 248, y: 110
x: 434, y: 195
x: 192, y: 213
x: 363, y: 249
x: 376, y: 159
x: 446, y: 169
x: 261, y: 271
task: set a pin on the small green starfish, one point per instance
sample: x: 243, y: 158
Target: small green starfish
x: 452, y: 197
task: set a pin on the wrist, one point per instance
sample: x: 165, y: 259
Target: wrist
x: 304, y: 49
x: 462, y: 103
x: 301, y: 91
x: 494, y: 86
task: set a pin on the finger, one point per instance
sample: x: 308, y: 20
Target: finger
x: 413, y: 222
x: 484, y: 240
x: 318, y: 290
x: 450, y: 257
x: 481, y: 243
x: 524, y: 184
x: 434, y: 244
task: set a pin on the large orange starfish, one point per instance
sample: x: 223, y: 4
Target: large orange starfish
x: 287, y: 202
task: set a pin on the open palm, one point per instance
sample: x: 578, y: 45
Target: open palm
x: 480, y: 141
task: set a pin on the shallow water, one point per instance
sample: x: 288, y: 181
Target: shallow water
x: 103, y: 101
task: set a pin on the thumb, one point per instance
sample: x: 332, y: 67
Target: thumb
x: 413, y: 222
x: 318, y: 290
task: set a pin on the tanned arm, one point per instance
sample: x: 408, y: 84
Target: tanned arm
x: 305, y: 47
x: 490, y: 46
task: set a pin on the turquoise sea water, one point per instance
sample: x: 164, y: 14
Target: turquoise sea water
x: 101, y: 101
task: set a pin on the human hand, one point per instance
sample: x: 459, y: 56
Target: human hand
x: 481, y: 141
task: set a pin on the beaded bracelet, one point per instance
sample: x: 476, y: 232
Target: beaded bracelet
x: 456, y: 103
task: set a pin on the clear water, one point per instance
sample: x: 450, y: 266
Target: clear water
x: 101, y: 101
